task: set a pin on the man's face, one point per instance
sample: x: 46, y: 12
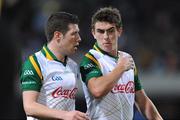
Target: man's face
x: 71, y: 39
x: 106, y: 35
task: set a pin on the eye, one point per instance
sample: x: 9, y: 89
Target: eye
x: 100, y: 31
x: 111, y: 30
x: 75, y: 33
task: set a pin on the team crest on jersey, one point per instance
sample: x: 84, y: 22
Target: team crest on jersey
x: 57, y: 78
x: 124, y: 88
x: 66, y: 93
x: 28, y: 72
x: 88, y: 66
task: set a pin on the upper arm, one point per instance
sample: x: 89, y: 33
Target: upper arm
x: 29, y: 97
x: 140, y: 96
x: 29, y: 101
x: 138, y: 85
x: 141, y: 99
x: 89, y: 69
x: 30, y: 79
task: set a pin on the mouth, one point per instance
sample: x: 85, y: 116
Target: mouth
x: 76, y: 46
x: 107, y: 44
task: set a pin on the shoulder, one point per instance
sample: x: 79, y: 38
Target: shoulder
x: 27, y: 63
x: 31, y: 67
x: 30, y: 75
x: 89, y: 60
x: 89, y: 67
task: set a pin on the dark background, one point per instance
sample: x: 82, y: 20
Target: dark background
x: 151, y: 35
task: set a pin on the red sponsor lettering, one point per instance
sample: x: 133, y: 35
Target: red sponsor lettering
x: 124, y: 88
x: 66, y: 93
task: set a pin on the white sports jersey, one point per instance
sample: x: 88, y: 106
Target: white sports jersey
x: 118, y: 103
x: 58, y: 84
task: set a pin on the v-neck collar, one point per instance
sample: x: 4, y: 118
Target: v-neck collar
x: 50, y: 56
x: 97, y: 48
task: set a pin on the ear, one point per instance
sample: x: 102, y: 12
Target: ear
x: 58, y: 36
x: 120, y: 30
x: 93, y: 33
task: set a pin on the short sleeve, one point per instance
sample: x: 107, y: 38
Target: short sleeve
x: 138, y: 85
x: 30, y: 80
x: 89, y: 69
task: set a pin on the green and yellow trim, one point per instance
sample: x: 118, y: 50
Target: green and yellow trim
x: 135, y: 71
x: 36, y: 67
x: 48, y: 56
x: 93, y: 59
x: 97, y: 48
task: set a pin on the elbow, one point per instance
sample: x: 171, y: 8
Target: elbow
x: 28, y: 110
x: 97, y: 94
x: 96, y: 90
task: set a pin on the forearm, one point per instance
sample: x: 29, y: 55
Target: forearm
x: 40, y: 111
x: 102, y: 85
x: 146, y: 106
x: 150, y: 111
x: 35, y: 109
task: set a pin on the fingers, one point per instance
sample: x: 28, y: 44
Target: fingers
x: 82, y: 116
x: 76, y: 115
x: 131, y: 63
x: 126, y: 62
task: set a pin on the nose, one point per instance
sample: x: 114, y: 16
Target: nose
x: 78, y: 38
x: 106, y: 36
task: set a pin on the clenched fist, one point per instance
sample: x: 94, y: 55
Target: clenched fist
x: 125, y: 61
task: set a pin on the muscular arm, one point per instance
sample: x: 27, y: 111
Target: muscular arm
x: 146, y: 106
x: 32, y: 108
x: 100, y: 86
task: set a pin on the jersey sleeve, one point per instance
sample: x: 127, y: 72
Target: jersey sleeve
x: 89, y: 68
x: 29, y: 77
x: 138, y: 85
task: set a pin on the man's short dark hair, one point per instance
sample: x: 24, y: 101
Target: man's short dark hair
x: 59, y: 22
x: 107, y: 14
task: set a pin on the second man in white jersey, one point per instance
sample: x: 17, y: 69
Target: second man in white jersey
x: 110, y: 79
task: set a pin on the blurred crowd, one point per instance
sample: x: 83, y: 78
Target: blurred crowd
x: 151, y: 29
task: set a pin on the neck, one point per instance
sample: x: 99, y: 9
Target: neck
x: 55, y: 50
x: 114, y: 53
x: 115, y: 49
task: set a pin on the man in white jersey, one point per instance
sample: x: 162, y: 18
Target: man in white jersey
x: 110, y: 78
x: 49, y: 77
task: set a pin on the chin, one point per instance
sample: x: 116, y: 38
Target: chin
x: 72, y: 52
x: 107, y: 49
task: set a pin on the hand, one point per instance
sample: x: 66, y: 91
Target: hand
x: 76, y: 115
x: 126, y: 61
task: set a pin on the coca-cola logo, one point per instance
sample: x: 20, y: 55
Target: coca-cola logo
x: 66, y: 93
x: 124, y: 88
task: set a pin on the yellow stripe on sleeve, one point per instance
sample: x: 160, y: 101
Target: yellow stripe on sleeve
x: 47, y: 54
x: 92, y: 58
x: 35, y: 66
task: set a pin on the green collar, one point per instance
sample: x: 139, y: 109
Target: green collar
x: 50, y: 56
x: 97, y: 48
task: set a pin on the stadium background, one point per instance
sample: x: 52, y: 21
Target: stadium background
x: 151, y: 36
